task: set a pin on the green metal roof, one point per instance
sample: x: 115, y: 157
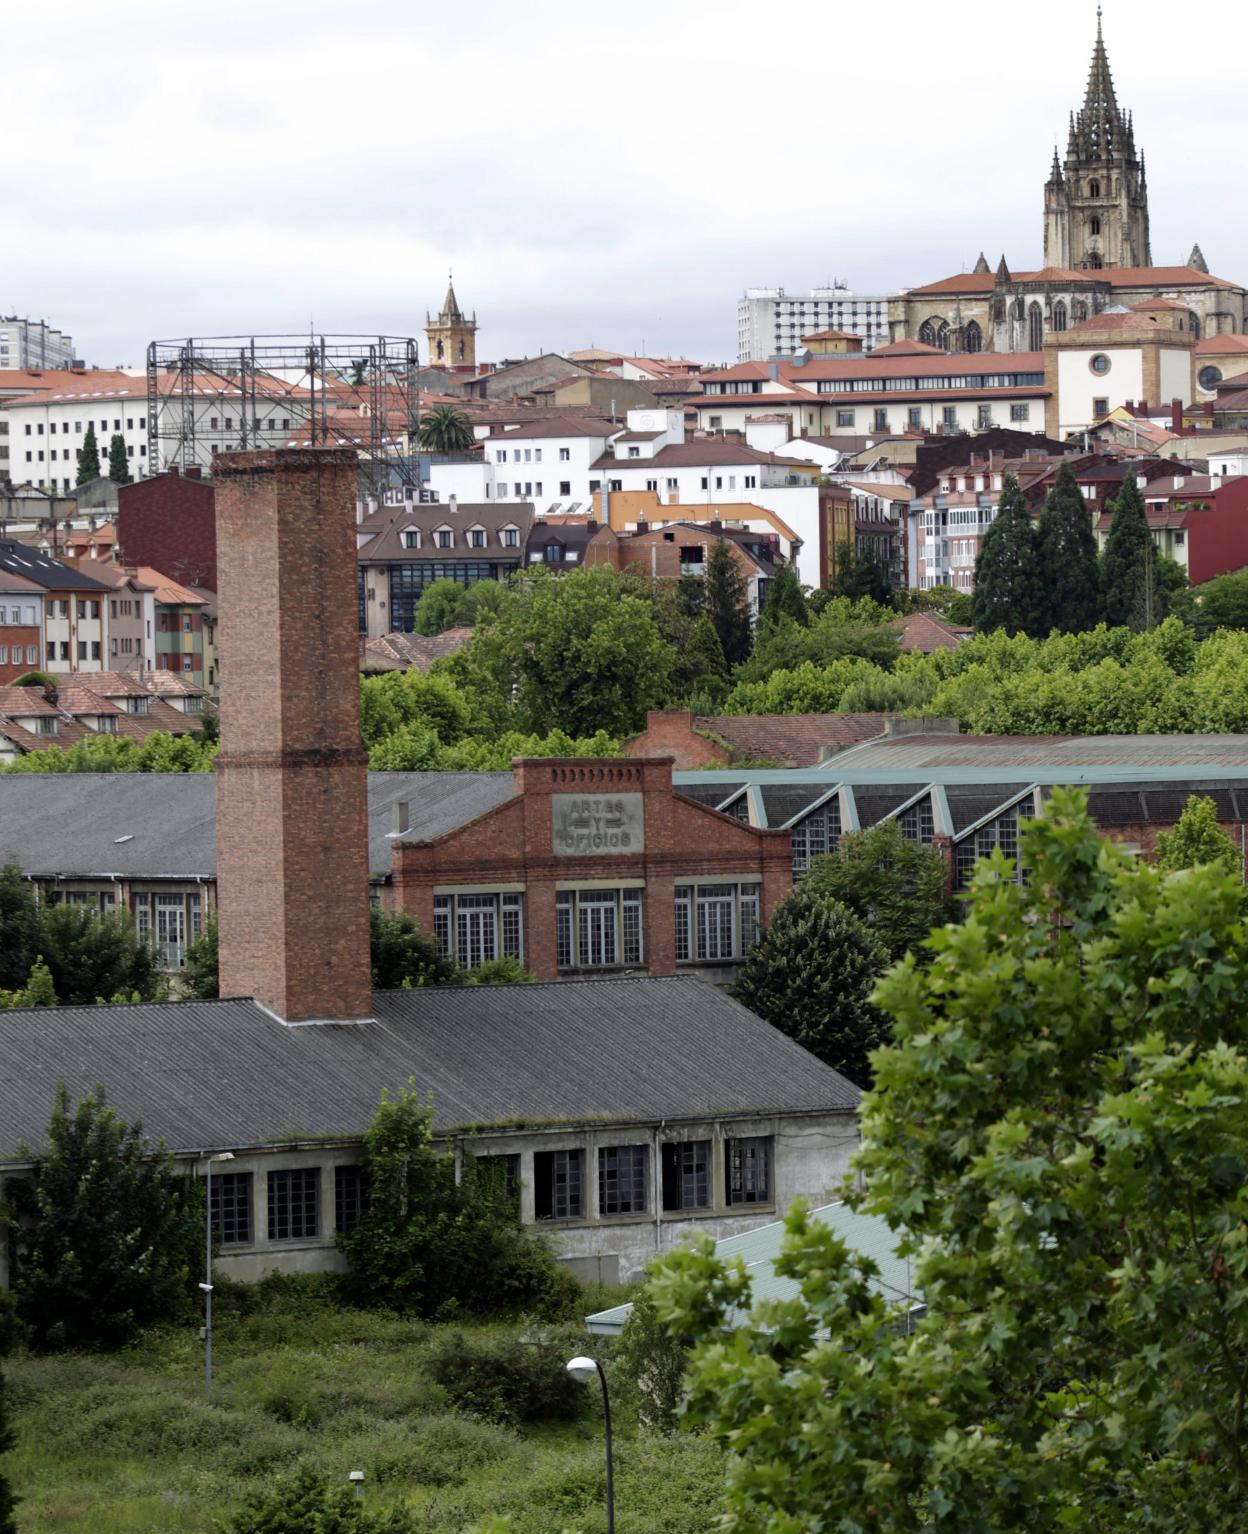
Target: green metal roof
x: 758, y: 1249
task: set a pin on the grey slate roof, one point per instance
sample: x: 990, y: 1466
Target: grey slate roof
x: 227, y: 1074
x: 163, y: 825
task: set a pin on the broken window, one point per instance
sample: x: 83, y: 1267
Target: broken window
x: 558, y: 1184
x: 748, y: 1170
x: 349, y: 1197
x: 507, y: 1169
x: 622, y: 1179
x: 687, y: 1175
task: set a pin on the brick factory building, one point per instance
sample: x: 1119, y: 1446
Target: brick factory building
x: 169, y: 522
x: 593, y: 864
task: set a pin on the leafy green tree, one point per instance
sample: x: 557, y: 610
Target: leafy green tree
x: 88, y: 458
x: 443, y: 605
x: 403, y: 956
x: 445, y: 429
x: 21, y: 931
x: 811, y: 974
x: 840, y: 628
x: 200, y: 973
x: 1058, y: 1136
x: 726, y: 602
x: 1221, y: 603
x: 106, y: 1232
x: 37, y: 992
x: 308, y: 1503
x: 860, y: 576
x: 1131, y: 591
x: 1197, y: 838
x: 94, y: 956
x: 118, y: 468
x: 895, y: 886
x: 1066, y: 546
x: 427, y: 1240
x: 577, y: 652
x: 784, y: 600
x: 703, y: 655
x: 1009, y: 582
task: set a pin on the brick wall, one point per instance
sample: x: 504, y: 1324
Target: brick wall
x: 671, y: 733
x: 292, y: 839
x: 169, y: 523
x: 514, y: 845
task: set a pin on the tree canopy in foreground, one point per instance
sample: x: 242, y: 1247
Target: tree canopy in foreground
x: 1059, y: 1137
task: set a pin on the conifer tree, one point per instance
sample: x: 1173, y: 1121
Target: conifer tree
x: 726, y: 602
x: 1068, y: 563
x: 784, y: 600
x: 118, y: 468
x: 1131, y: 592
x: 88, y: 458
x: 1007, y: 592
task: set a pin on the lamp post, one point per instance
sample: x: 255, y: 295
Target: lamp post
x: 584, y: 1369
x: 206, y: 1286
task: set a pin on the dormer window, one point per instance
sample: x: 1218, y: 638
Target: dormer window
x: 445, y: 537
x: 139, y: 705
x: 553, y: 553
x: 511, y: 537
x: 476, y: 537
x: 411, y: 538
x: 45, y: 724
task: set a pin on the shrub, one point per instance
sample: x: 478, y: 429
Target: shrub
x: 508, y: 1379
x: 652, y: 1364
x: 504, y: 971
x: 306, y: 1503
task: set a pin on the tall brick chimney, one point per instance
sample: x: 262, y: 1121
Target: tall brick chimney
x: 292, y: 820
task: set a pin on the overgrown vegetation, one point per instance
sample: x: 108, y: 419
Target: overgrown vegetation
x: 73, y: 955
x: 125, y: 1444
x: 104, y: 1233
x: 436, y: 1241
x: 1058, y: 1134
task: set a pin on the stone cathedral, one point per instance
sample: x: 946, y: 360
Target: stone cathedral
x: 1097, y: 252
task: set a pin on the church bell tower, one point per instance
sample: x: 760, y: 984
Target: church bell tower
x: 1096, y: 205
x: 452, y: 336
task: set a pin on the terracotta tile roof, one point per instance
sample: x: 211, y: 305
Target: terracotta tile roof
x: 25, y: 700
x: 172, y: 684
x: 168, y: 593
x: 11, y: 581
x: 711, y: 451
x: 554, y: 423
x: 885, y: 492
x: 1115, y: 277
x: 792, y: 740
x: 637, y: 436
x: 907, y: 348
x: 927, y: 362
x: 832, y: 335
x: 926, y: 632
x: 401, y: 652
x: 1217, y: 344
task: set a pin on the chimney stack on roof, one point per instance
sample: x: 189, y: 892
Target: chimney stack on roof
x: 292, y: 821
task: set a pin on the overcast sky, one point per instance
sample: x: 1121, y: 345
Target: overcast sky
x: 595, y: 173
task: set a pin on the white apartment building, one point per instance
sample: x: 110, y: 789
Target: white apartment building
x: 771, y: 322
x: 33, y: 345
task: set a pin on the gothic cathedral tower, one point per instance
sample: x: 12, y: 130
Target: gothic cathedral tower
x: 1096, y: 207
x: 452, y: 335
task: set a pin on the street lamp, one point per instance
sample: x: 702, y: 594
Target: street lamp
x: 584, y: 1369
x: 206, y: 1286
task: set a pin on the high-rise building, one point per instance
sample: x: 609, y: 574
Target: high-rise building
x: 33, y: 345
x: 771, y: 322
x: 1096, y: 206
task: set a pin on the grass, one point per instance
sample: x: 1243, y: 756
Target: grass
x: 125, y: 1443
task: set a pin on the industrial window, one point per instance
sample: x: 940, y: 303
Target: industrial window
x: 559, y: 1185
x: 230, y: 1211
x: 1000, y: 832
x: 350, y: 1197
x: 485, y: 927
x: 623, y: 1173
x: 748, y: 1170
x: 294, y: 1204
x: 598, y: 929
x: 918, y: 823
x: 817, y: 834
x: 507, y: 1169
x: 687, y: 1175
x: 715, y: 922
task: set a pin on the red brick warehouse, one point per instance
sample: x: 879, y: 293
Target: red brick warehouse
x: 596, y: 864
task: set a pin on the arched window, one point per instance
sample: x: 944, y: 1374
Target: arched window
x: 1035, y: 327
x: 1193, y: 322
x: 1059, y: 316
x: 927, y: 333
x: 973, y: 338
x: 1094, y: 226
x: 1094, y: 188
x: 461, y: 351
x: 1020, y: 309
x: 441, y: 351
x: 1079, y: 309
x: 1094, y: 261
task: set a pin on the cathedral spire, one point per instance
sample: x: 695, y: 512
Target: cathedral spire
x: 1100, y: 123
x: 1197, y: 260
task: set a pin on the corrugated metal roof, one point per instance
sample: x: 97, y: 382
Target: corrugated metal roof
x: 228, y: 1074
x: 866, y: 1234
x: 163, y: 825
